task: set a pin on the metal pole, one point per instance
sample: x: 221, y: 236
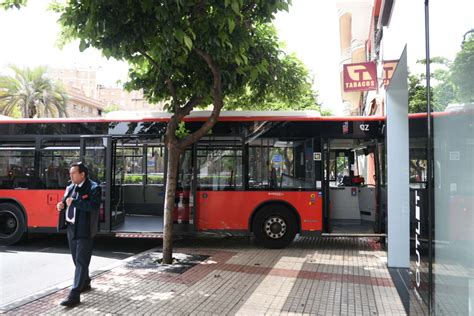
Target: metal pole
x: 429, y: 142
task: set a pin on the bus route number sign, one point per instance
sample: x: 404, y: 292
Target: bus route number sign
x: 364, y: 127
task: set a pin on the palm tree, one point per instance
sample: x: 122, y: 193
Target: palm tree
x: 32, y: 93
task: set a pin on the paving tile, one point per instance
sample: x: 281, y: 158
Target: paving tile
x: 313, y: 276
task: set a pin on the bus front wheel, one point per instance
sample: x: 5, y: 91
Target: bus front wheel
x: 12, y: 224
x: 274, y: 226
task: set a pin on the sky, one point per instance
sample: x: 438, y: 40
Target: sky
x: 30, y: 35
x: 310, y: 30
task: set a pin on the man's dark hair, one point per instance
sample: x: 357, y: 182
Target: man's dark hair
x: 82, y: 167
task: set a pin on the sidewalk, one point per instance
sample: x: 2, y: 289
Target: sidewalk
x: 233, y: 276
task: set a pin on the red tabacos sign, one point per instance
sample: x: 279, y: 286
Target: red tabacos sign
x: 360, y: 77
x: 388, y: 69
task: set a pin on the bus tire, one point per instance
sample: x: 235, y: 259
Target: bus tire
x: 274, y: 226
x: 12, y: 224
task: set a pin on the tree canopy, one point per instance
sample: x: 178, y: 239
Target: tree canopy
x: 169, y: 46
x: 462, y: 71
x: 452, y: 81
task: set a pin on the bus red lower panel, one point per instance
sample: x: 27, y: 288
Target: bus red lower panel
x: 231, y: 210
x: 39, y: 205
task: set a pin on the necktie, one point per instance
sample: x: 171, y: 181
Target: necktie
x: 70, y: 209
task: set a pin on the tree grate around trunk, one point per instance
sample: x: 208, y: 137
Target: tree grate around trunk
x: 181, y: 262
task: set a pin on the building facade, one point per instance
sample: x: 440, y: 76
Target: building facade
x: 119, y: 99
x: 81, y: 79
x: 84, y: 81
x: 356, y: 27
x: 79, y: 105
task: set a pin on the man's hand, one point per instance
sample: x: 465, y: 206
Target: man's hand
x: 60, y: 206
x: 69, y: 201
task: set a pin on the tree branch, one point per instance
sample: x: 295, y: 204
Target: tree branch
x: 217, y: 86
x: 204, y: 129
x: 170, y: 85
x: 218, y: 101
x: 151, y: 60
x: 189, y: 106
x: 169, y: 82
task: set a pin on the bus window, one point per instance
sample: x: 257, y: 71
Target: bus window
x: 55, y: 159
x: 94, y: 158
x: 219, y: 166
x: 339, y: 167
x: 155, y: 164
x: 281, y: 164
x: 130, y: 157
x: 17, y: 161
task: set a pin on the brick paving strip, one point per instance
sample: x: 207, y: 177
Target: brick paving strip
x: 313, y: 276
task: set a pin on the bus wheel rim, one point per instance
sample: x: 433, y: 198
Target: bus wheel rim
x: 275, y: 227
x: 8, y: 222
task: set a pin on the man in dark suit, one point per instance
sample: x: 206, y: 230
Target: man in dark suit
x: 79, y: 214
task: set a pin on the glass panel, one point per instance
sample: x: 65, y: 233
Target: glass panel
x: 332, y: 167
x: 155, y: 164
x: 281, y: 164
x: 452, y: 43
x: 17, y: 166
x: 219, y: 167
x: 129, y: 158
x: 95, y: 158
x: 55, y: 159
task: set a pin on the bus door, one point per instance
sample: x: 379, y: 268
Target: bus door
x: 96, y: 153
x: 137, y: 198
x: 351, y: 186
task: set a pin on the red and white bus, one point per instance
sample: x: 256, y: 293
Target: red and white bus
x: 270, y: 174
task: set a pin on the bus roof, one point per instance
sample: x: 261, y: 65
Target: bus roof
x: 157, y: 116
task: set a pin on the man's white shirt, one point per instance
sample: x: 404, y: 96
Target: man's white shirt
x: 73, y: 195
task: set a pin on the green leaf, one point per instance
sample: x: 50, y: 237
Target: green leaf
x: 235, y: 7
x: 188, y: 42
x: 231, y: 25
x: 238, y: 60
x: 179, y: 34
x: 83, y: 46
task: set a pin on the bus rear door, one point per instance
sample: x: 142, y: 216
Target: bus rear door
x: 96, y: 153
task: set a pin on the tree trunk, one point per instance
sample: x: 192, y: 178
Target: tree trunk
x: 170, y: 192
x: 32, y: 110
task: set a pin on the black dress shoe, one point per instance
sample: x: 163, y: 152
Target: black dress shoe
x: 86, y: 288
x: 71, y: 301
